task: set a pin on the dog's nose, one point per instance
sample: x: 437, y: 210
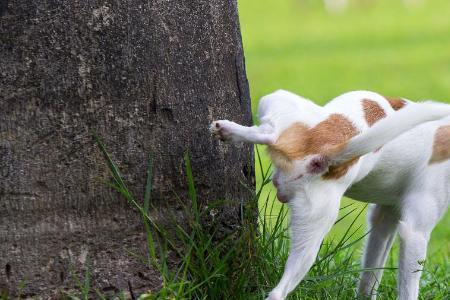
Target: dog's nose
x: 282, y: 197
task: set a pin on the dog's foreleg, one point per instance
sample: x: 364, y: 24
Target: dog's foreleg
x: 309, y: 226
x: 227, y: 130
x: 383, y: 221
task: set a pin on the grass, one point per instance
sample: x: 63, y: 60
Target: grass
x: 375, y: 45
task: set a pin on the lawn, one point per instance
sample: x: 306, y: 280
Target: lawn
x: 381, y: 46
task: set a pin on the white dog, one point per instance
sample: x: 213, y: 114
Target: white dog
x: 390, y: 152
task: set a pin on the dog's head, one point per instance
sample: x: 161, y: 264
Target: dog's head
x: 303, y: 153
x: 293, y: 176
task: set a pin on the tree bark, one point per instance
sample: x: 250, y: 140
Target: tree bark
x: 147, y: 76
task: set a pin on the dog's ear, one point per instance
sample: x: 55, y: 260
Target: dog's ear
x: 317, y: 164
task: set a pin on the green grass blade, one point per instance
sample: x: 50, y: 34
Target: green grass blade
x: 191, y: 187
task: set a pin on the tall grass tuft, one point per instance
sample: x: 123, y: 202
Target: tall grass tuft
x: 248, y: 263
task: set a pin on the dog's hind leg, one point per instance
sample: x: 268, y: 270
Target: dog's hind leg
x: 227, y: 130
x: 419, y: 216
x: 383, y: 221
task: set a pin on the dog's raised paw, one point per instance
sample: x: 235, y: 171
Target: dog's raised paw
x: 221, y: 129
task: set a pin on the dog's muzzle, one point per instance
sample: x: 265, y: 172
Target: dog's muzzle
x: 282, y: 197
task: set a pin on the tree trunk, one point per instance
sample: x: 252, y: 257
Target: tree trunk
x: 147, y: 76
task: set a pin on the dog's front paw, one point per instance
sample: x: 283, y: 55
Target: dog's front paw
x: 222, y: 129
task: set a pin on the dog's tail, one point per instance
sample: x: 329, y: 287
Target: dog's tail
x: 388, y: 128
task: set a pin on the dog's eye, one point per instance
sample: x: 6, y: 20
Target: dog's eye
x: 298, y: 177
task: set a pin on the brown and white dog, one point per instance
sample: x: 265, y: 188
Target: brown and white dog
x: 393, y: 153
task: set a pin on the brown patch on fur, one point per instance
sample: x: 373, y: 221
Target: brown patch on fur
x: 336, y: 172
x: 396, y: 102
x: 327, y: 138
x: 293, y: 142
x: 331, y: 135
x: 441, y: 145
x: 373, y: 112
x: 279, y: 160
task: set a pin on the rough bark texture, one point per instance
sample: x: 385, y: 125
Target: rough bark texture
x: 148, y: 76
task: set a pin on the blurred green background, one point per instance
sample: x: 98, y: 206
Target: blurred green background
x: 384, y: 46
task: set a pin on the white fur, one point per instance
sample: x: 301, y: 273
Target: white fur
x: 408, y: 194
